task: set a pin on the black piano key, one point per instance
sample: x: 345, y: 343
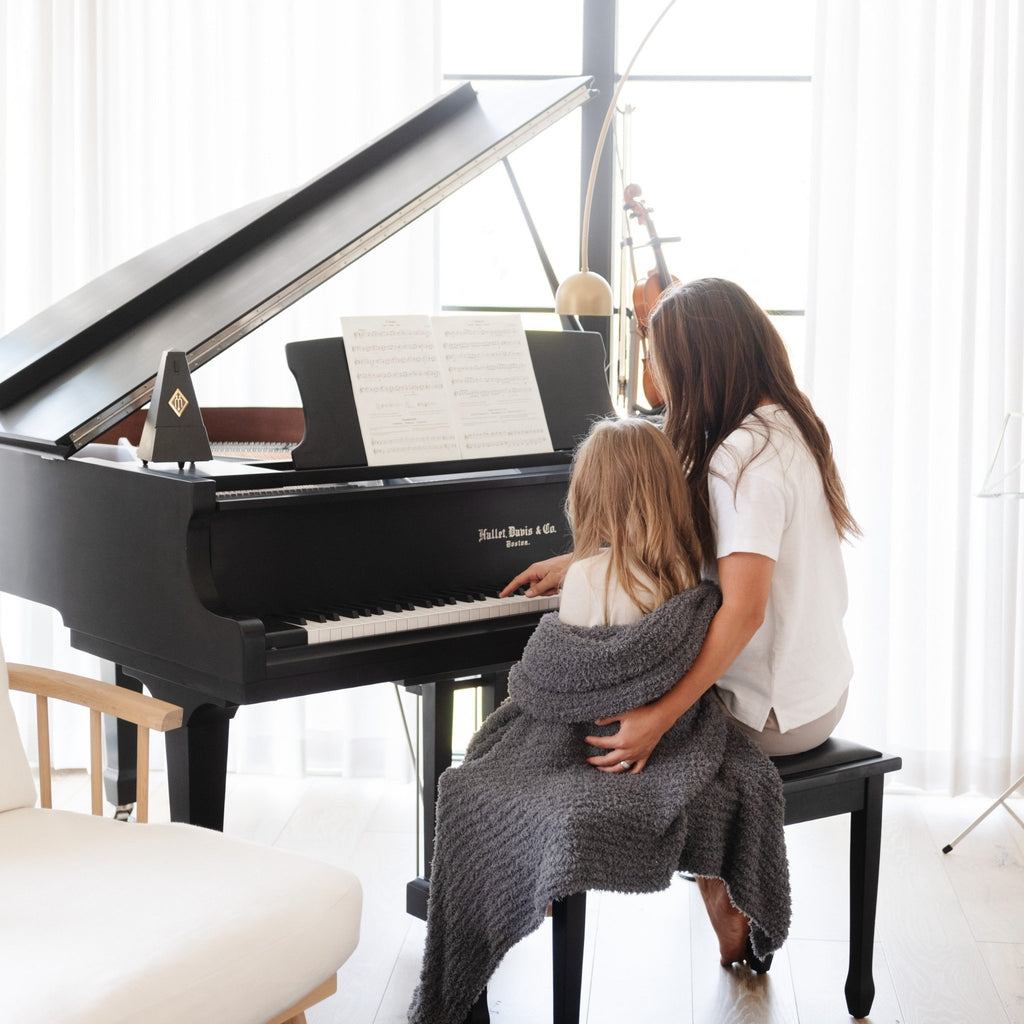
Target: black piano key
x: 356, y: 610
x: 345, y: 611
x: 465, y: 596
x: 369, y: 608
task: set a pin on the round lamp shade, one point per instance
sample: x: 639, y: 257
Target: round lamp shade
x: 584, y: 294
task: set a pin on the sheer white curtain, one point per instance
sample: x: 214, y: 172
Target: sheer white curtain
x: 916, y: 327
x: 123, y: 123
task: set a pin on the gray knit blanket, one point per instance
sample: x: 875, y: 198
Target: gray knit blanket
x: 525, y: 820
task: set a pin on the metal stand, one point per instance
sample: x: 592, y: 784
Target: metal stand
x: 981, y: 817
x: 1003, y: 480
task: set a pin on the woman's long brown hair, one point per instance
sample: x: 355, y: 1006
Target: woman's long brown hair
x: 717, y: 357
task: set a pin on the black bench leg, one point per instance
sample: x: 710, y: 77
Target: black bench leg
x: 865, y: 851
x: 478, y: 1012
x: 568, y: 922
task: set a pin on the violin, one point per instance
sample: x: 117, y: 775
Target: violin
x: 647, y: 291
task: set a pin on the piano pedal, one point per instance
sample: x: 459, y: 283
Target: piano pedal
x: 123, y: 812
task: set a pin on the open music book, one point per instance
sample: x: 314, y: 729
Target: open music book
x: 431, y: 389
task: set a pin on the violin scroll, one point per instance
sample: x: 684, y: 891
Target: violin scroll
x: 647, y: 291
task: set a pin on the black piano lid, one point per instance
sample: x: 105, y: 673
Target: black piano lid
x: 82, y: 365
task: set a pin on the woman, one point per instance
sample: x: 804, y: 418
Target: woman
x: 770, y: 512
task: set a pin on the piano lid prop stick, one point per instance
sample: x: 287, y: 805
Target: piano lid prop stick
x: 174, y: 429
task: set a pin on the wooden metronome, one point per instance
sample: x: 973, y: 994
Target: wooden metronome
x: 174, y: 430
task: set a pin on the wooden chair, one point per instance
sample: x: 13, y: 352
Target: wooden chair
x: 839, y: 777
x: 102, y: 921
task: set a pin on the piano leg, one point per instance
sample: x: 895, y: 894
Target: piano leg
x: 495, y: 690
x: 197, y: 765
x: 121, y: 742
x: 438, y: 703
x: 197, y: 754
x: 438, y: 712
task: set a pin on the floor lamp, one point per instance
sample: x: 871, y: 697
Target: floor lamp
x: 1004, y: 480
x: 586, y: 293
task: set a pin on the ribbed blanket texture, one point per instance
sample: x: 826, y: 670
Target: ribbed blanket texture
x: 525, y: 820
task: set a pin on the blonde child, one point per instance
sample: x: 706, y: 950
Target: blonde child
x: 634, y: 543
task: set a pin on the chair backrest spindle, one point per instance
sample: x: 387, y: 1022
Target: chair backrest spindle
x: 43, y: 750
x: 96, y: 761
x: 142, y: 776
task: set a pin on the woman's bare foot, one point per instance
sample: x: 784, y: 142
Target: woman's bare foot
x: 731, y: 926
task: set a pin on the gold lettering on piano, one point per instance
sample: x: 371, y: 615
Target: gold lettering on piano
x: 516, y: 536
x: 177, y: 402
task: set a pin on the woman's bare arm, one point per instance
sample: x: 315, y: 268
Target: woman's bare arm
x: 745, y: 579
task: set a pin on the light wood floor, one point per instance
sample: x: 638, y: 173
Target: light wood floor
x: 950, y: 935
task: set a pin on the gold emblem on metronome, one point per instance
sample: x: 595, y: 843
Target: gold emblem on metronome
x: 177, y: 402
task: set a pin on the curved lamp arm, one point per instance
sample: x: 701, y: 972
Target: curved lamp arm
x: 587, y: 293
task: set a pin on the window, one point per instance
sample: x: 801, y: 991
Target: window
x: 718, y: 134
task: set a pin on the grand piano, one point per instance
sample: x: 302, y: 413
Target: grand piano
x: 225, y: 582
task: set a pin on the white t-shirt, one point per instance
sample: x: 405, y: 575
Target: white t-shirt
x: 582, y: 599
x: 798, y: 661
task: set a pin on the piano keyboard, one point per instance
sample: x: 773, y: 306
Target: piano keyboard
x: 397, y: 616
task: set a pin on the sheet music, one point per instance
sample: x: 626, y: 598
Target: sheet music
x: 400, y: 390
x: 446, y: 388
x: 496, y: 401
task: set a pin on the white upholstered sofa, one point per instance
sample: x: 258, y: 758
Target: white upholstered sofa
x: 103, y: 922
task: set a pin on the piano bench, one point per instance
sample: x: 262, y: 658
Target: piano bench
x: 838, y: 777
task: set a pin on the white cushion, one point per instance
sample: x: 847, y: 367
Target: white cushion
x: 102, y: 921
x: 16, y: 786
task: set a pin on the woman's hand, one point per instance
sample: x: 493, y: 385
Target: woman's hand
x: 639, y: 733
x: 543, y: 577
x: 745, y: 579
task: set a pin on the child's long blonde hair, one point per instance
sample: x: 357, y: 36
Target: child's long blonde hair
x: 628, y: 493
